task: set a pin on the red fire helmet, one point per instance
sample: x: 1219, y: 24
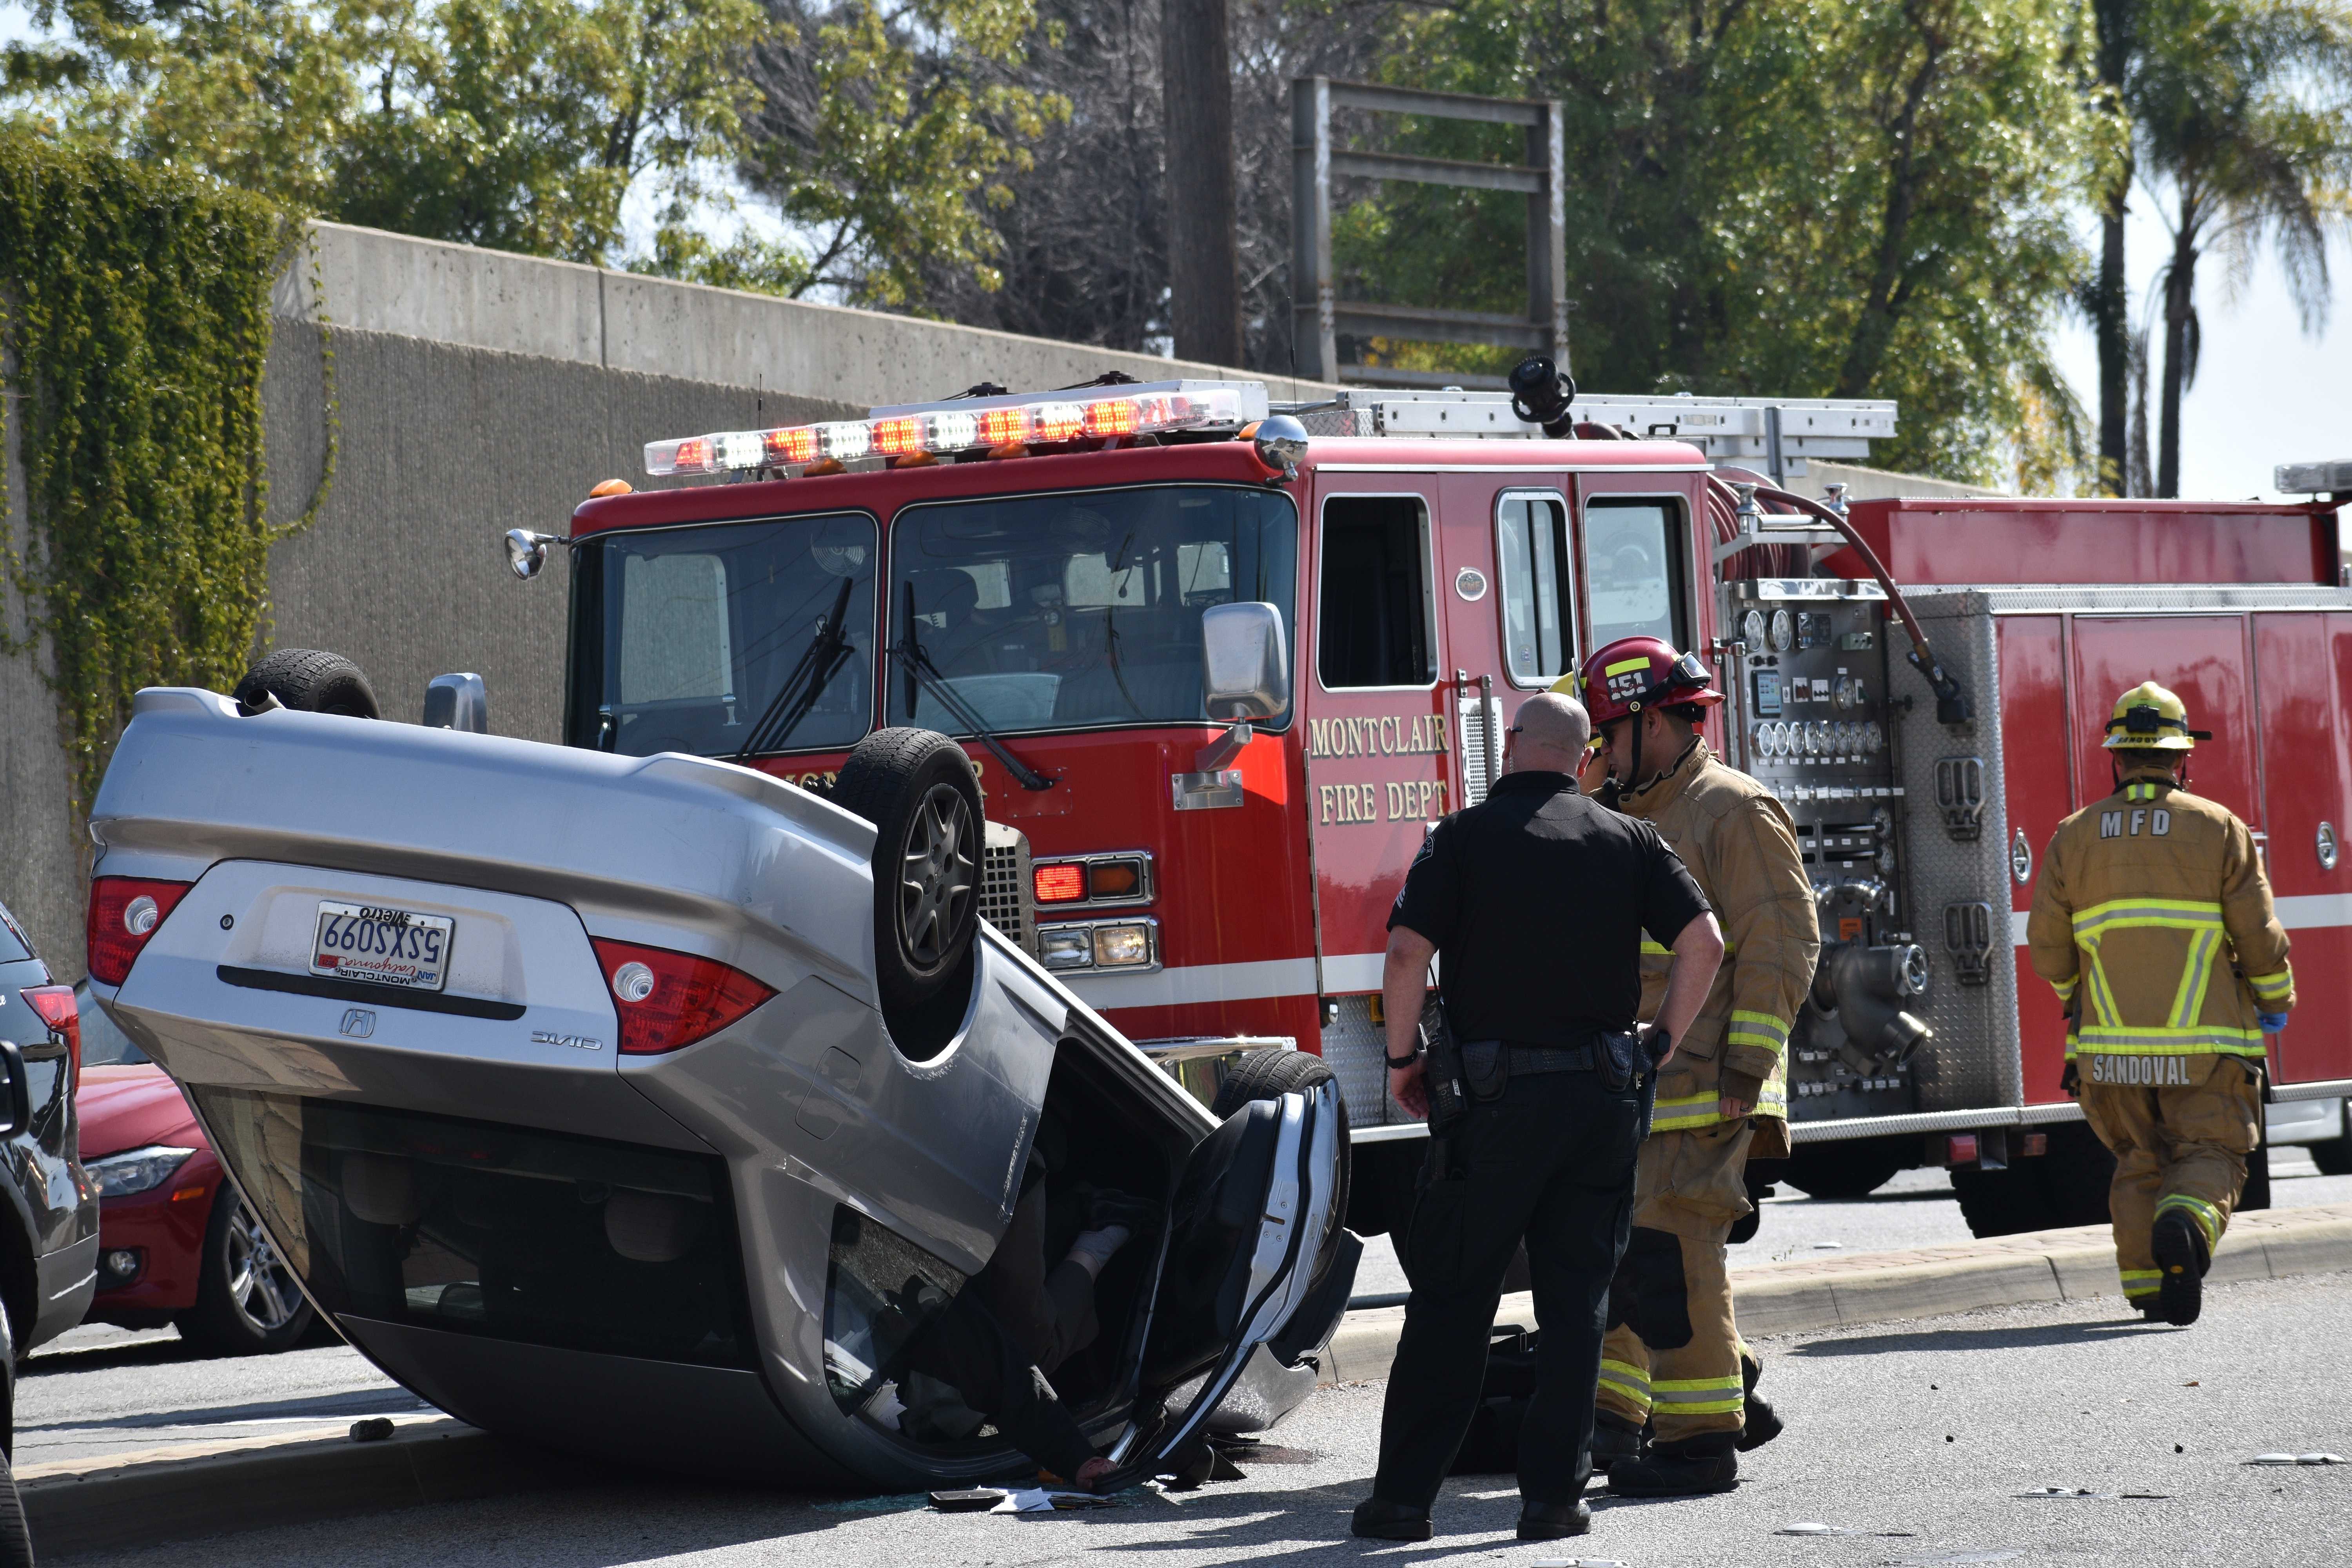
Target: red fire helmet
x: 1634, y: 673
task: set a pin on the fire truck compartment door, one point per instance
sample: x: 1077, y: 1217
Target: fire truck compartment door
x: 1256, y: 1256
x: 1379, y: 748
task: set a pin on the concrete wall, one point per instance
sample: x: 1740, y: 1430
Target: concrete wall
x: 477, y: 392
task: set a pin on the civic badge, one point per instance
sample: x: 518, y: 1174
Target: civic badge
x: 359, y: 1022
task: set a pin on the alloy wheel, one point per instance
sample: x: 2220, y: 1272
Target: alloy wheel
x: 260, y: 1285
x: 937, y: 882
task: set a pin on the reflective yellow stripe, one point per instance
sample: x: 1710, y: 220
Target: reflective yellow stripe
x: 2179, y: 914
x: 2065, y: 988
x: 2155, y: 1041
x: 2271, y: 987
x: 1686, y: 1111
x: 1623, y: 665
x: 1631, y: 1382
x: 2208, y: 1218
x: 1775, y: 1100
x: 2103, y: 999
x: 2189, y: 1001
x: 1699, y: 1396
x: 2141, y: 1281
x: 1758, y: 1029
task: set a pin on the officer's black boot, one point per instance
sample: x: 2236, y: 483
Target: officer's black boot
x: 1614, y: 1438
x: 1686, y: 1468
x: 1763, y: 1423
x: 1553, y: 1520
x: 2181, y: 1256
x: 1380, y: 1519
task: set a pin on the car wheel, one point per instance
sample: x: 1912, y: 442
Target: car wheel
x: 246, y: 1303
x: 918, y: 788
x: 7, y: 1389
x: 309, y: 680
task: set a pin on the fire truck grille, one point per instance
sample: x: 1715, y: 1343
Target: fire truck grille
x: 1005, y: 900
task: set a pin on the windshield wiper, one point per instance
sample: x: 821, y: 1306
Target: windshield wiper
x: 921, y: 672
x: 807, y: 681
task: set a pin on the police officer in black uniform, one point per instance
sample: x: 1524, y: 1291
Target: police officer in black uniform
x: 1536, y: 900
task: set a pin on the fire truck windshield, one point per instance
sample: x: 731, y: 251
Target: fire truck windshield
x: 1066, y: 611
x: 685, y: 637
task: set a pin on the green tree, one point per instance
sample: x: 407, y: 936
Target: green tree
x: 1779, y: 196
x: 2242, y: 107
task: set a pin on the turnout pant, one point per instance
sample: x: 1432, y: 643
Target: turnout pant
x: 1674, y: 1360
x: 1551, y: 1162
x: 2180, y: 1128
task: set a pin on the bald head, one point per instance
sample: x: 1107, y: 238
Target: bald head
x: 1552, y: 733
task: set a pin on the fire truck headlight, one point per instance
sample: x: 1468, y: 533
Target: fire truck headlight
x: 1070, y: 947
x: 1122, y: 946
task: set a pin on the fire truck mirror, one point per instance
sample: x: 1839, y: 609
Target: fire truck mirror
x: 1244, y: 663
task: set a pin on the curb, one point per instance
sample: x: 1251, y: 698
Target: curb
x: 1892, y: 1287
x: 158, y: 1495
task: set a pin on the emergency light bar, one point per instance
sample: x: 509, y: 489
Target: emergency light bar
x: 972, y: 424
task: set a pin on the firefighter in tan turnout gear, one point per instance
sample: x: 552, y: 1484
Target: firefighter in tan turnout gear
x: 1673, y: 1358
x: 2152, y: 919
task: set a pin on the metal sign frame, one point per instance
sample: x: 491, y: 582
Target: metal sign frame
x: 1319, y: 314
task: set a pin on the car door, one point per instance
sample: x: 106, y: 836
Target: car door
x: 1255, y: 1254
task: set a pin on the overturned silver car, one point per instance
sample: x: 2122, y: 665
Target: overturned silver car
x: 604, y: 1101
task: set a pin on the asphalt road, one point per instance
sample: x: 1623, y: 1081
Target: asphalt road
x: 1917, y: 1438
x: 100, y: 1391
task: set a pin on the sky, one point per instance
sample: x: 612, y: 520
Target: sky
x: 2266, y: 394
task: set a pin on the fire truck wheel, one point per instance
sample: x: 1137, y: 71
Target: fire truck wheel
x: 2333, y: 1156
x: 308, y: 680
x: 917, y: 789
x: 1849, y: 1168
x: 1270, y: 1075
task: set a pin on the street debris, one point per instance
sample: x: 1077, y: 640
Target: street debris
x: 2085, y: 1493
x: 374, y: 1429
x: 1017, y: 1499
x: 2296, y: 1459
x: 1812, y: 1528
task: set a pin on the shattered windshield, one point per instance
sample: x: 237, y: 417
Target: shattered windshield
x: 1060, y: 611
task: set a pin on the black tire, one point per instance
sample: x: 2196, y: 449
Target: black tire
x: 309, y: 680
x: 2076, y: 1174
x: 1849, y: 1168
x: 918, y: 788
x: 2333, y: 1156
x: 2003, y: 1202
x: 8, y: 1417
x: 15, y: 1540
x: 243, y: 1309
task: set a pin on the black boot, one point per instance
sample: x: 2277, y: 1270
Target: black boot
x: 1762, y: 1422
x: 1553, y: 1520
x: 2180, y: 1248
x: 1377, y: 1519
x: 1688, y: 1468
x: 1614, y: 1438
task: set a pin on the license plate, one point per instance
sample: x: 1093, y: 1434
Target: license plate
x: 383, y: 946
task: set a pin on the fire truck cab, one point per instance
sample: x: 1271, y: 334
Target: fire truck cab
x: 1220, y: 665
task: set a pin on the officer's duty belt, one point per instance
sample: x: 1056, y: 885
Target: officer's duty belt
x: 1527, y: 1060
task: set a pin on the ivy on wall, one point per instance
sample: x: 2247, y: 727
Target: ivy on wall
x: 134, y: 310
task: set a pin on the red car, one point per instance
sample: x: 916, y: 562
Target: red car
x: 176, y: 1242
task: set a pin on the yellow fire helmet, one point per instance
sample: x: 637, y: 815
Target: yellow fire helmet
x: 2150, y: 719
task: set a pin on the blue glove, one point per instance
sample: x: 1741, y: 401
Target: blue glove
x: 2271, y: 1022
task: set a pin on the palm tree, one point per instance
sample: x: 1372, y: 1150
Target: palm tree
x: 2243, y: 110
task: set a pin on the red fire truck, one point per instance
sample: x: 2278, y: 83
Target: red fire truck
x: 1220, y: 664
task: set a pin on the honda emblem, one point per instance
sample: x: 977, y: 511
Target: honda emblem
x: 359, y: 1022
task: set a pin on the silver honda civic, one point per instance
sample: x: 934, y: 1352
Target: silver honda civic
x: 618, y: 1103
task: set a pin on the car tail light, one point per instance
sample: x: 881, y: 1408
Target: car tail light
x: 54, y: 1006
x: 1961, y: 1148
x: 124, y: 911
x: 669, y: 1000
x: 1061, y: 884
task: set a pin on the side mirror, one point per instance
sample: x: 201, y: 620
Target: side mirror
x: 527, y: 552
x: 457, y: 702
x: 1245, y: 662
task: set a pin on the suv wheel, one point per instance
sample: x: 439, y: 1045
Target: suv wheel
x: 246, y: 1303
x: 917, y: 787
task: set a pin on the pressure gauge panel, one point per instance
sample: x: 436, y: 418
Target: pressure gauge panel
x: 1784, y: 631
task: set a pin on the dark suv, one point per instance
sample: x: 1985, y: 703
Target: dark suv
x: 49, y: 1207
